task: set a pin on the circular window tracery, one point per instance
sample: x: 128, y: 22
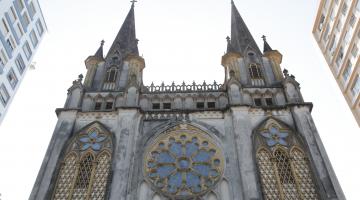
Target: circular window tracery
x: 184, y: 163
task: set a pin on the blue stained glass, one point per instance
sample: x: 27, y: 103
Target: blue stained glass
x: 192, y: 180
x: 172, y: 189
x: 93, y: 134
x: 165, y: 171
x: 92, y: 140
x: 184, y: 164
x: 214, y: 173
x: 175, y: 180
x: 85, y: 139
x: 85, y: 146
x: 202, y: 169
x: 196, y: 189
x: 176, y: 149
x: 96, y: 146
x: 153, y: 175
x: 202, y: 156
x: 165, y: 157
x: 274, y: 137
x: 151, y: 164
x: 191, y: 148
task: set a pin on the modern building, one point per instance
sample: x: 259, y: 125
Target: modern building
x: 336, y: 31
x: 22, y: 27
x: 251, y: 137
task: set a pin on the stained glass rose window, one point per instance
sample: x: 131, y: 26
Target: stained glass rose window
x: 184, y: 162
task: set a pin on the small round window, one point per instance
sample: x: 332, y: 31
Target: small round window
x: 183, y: 163
x: 251, y: 53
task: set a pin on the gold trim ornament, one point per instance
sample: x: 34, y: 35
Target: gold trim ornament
x: 183, y: 163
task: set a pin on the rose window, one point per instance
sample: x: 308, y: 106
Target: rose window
x: 184, y: 163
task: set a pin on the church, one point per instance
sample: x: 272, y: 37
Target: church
x: 251, y: 137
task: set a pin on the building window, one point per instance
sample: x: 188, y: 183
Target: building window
x: 156, y: 106
x: 111, y: 75
x: 39, y: 27
x: 340, y: 56
x: 33, y: 38
x: 347, y: 37
x: 211, y: 104
x: 27, y: 50
x: 321, y: 22
x: 18, y: 30
x: 32, y: 8
x: 12, y: 78
x: 84, y: 172
x: 26, y: 19
x: 269, y: 101
x: 339, y: 25
x: 326, y: 33
x: 3, y: 59
x: 4, y: 27
x: 98, y: 105
x: 344, y: 9
x: 200, y: 105
x: 4, y: 95
x: 355, y: 89
x: 257, y: 101
x: 255, y: 71
x: 167, y: 105
x: 332, y: 45
x: 20, y: 4
x: 20, y: 63
x: 347, y: 71
x: 10, y: 43
x: 354, y: 50
x: 283, y: 166
x: 332, y: 15
x: 352, y: 20
x: 12, y: 15
x: 109, y: 105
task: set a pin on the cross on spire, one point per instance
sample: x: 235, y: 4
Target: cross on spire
x: 263, y: 37
x: 133, y: 1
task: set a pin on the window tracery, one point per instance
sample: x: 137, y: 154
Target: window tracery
x: 283, y: 167
x: 85, y: 170
x: 255, y: 71
x: 183, y: 163
x: 111, y: 75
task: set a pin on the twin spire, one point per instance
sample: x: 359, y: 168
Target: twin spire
x: 126, y: 42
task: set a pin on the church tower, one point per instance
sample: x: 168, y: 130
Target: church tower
x: 249, y: 138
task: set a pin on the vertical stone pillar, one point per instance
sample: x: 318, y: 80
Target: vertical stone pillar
x: 62, y: 132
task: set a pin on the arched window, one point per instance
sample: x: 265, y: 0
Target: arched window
x: 111, y: 75
x: 85, y: 170
x: 255, y: 71
x: 283, y: 166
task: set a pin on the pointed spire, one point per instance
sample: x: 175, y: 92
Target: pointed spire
x: 125, y: 42
x: 241, y: 38
x: 266, y: 44
x: 99, y: 52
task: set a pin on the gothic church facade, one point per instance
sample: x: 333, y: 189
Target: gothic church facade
x: 249, y: 138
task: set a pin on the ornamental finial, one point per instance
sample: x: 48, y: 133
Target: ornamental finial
x: 263, y: 37
x: 133, y: 2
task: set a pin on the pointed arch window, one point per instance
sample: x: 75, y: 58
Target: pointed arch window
x: 85, y: 170
x: 111, y: 75
x: 283, y: 166
x: 255, y: 71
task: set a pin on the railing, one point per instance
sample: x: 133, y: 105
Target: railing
x: 204, y: 87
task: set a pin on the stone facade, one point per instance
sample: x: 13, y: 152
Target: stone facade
x: 231, y: 119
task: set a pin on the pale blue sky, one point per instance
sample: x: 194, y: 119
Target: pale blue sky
x: 180, y: 40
